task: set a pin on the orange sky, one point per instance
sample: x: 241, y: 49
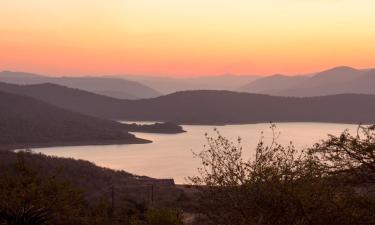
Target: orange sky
x: 185, y: 37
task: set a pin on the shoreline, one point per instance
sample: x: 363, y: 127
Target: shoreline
x: 15, y: 147
x: 251, y: 123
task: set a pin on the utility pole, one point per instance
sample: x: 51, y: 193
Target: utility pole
x: 152, y: 193
x: 113, y: 198
x: 112, y: 202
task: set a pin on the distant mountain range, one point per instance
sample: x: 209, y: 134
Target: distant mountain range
x: 208, y: 107
x: 27, y: 122
x: 117, y: 88
x: 339, y: 80
x: 168, y: 85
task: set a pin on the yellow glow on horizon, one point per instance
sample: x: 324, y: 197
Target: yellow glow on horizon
x: 185, y: 37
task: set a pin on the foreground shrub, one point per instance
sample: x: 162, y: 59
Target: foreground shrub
x: 280, y: 186
x: 159, y: 216
x: 347, y: 154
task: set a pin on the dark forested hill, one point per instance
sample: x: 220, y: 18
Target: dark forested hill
x: 28, y: 122
x: 209, y: 107
x: 89, y: 177
x: 223, y: 107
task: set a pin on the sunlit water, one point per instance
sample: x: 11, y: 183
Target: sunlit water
x: 170, y: 155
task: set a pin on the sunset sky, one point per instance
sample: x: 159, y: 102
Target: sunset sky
x: 185, y: 37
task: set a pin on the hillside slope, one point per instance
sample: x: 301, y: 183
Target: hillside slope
x: 209, y: 107
x: 28, y: 122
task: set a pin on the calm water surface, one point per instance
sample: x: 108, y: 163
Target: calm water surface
x: 170, y: 155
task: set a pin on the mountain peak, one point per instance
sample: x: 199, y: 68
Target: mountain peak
x: 340, y: 69
x: 344, y: 73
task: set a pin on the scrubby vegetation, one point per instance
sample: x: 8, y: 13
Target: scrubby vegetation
x: 36, y: 189
x: 282, y: 185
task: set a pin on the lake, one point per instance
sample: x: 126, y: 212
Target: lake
x: 170, y: 155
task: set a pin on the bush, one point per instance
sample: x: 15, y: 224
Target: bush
x: 280, y: 186
x: 350, y: 155
x: 159, y: 216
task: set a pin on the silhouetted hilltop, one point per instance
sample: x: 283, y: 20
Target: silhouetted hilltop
x: 341, y: 73
x: 117, y: 88
x: 209, y: 107
x: 28, y: 122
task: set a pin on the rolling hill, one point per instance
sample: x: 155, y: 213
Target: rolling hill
x: 27, y: 122
x: 223, y: 107
x: 117, y: 88
x: 209, y: 107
